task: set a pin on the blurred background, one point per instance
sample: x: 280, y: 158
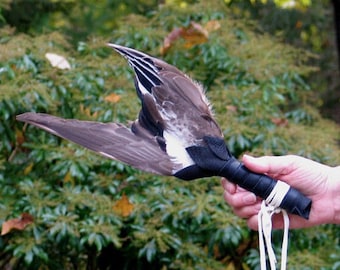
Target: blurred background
x: 271, y: 71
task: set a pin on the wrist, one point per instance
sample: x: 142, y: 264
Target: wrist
x: 334, y: 180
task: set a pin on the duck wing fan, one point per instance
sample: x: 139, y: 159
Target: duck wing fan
x: 140, y: 149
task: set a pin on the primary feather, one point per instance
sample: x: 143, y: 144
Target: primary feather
x: 175, y: 115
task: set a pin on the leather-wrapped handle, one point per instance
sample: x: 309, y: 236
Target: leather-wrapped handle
x: 214, y: 159
x: 262, y: 185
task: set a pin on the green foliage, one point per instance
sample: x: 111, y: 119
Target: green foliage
x: 310, y: 25
x: 78, y: 18
x: 262, y: 101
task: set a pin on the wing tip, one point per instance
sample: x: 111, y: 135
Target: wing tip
x: 113, y: 45
x: 24, y: 117
x: 119, y: 48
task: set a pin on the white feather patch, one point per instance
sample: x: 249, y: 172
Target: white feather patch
x: 176, y: 150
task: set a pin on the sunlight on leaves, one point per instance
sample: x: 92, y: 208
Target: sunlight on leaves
x: 289, y: 4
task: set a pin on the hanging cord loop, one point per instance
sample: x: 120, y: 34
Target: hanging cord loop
x: 269, y: 207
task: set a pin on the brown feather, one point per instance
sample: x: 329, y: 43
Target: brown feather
x: 109, y: 139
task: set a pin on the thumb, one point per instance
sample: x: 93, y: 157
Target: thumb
x: 272, y: 165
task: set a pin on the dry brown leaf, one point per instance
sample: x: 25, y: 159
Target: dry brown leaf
x: 298, y: 24
x: 231, y: 108
x: 216, y: 251
x: 281, y: 122
x: 113, y: 98
x: 170, y: 39
x: 87, y: 112
x: 69, y: 178
x: 17, y: 223
x: 231, y: 266
x: 123, y: 206
x: 28, y: 168
x: 212, y: 25
x: 193, y: 35
x: 19, y: 136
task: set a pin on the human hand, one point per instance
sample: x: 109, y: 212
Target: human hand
x: 319, y: 182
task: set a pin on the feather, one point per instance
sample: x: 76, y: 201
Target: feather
x: 109, y: 139
x: 175, y: 115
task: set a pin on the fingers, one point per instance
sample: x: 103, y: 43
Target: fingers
x: 243, y: 203
x: 277, y: 222
x: 228, y: 186
x: 240, y: 198
x: 236, y: 196
x: 246, y: 205
x: 295, y: 222
x: 303, y: 174
x: 253, y: 223
x: 273, y: 165
x: 248, y: 211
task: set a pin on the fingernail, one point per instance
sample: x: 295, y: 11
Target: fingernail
x: 249, y: 198
x: 230, y: 187
x: 248, y: 156
x: 223, y: 181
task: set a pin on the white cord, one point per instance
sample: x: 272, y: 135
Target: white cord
x: 278, y: 193
x: 284, y: 248
x: 269, y: 207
